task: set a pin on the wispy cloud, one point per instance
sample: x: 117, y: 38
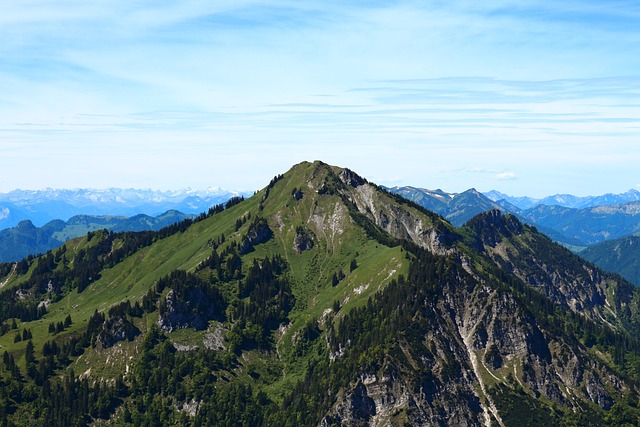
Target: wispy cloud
x: 506, y: 176
x: 452, y: 85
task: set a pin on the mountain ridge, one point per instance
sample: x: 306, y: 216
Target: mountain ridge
x: 576, y: 227
x: 335, y: 303
x: 566, y: 200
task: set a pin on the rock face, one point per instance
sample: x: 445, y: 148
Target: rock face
x: 192, y: 310
x: 357, y: 409
x: 302, y: 240
x: 191, y: 302
x: 116, y: 329
x: 402, y: 220
x: 351, y: 178
x: 259, y: 232
x: 550, y: 269
x: 476, y: 338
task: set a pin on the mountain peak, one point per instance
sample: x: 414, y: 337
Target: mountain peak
x: 457, y: 208
x: 493, y: 226
x: 26, y: 224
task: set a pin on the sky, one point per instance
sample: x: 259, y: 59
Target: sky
x: 526, y: 97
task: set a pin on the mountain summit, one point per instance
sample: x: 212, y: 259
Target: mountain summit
x: 321, y: 300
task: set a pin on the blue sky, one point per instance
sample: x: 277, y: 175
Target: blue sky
x: 526, y: 97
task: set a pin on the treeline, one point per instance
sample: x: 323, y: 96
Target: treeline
x: 270, y: 299
x: 68, y: 401
x: 267, y: 190
x: 51, y: 399
x: 192, y: 302
x: 165, y: 383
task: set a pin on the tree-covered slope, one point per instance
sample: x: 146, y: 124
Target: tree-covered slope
x: 321, y: 300
x: 621, y: 256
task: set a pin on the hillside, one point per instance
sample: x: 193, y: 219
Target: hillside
x: 321, y: 300
x: 621, y: 256
x: 26, y: 239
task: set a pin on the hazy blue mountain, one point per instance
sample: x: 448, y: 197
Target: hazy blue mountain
x: 566, y: 200
x: 27, y: 239
x: 586, y: 226
x: 615, y: 199
x: 42, y: 206
x: 468, y: 204
x: 574, y: 227
x: 519, y: 202
x: 621, y: 256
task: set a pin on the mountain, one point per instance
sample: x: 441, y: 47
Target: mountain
x: 457, y: 208
x: 434, y: 200
x: 42, y: 206
x: 26, y: 239
x: 570, y: 201
x: 566, y: 200
x: 321, y: 300
x: 584, y: 227
x: 605, y: 217
x: 523, y: 202
x: 620, y: 256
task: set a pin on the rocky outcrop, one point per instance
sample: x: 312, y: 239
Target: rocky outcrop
x: 402, y: 221
x: 302, y: 240
x: 357, y: 409
x: 116, y: 329
x: 193, y: 309
x: 259, y: 232
x: 351, y: 178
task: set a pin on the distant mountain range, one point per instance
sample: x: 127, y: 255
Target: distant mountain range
x: 615, y: 216
x: 586, y: 226
x: 602, y: 231
x: 457, y: 208
x: 26, y: 239
x: 36, y: 221
x: 43, y: 206
x: 567, y: 200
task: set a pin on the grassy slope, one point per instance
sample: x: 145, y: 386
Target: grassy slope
x: 310, y: 272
